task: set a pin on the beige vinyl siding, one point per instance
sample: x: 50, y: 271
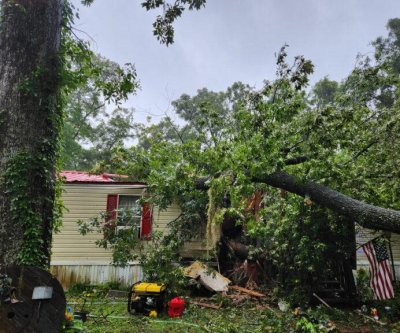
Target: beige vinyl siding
x: 364, y: 235
x: 195, y: 249
x: 83, y: 202
x: 161, y: 218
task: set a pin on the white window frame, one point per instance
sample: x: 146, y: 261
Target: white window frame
x: 123, y: 227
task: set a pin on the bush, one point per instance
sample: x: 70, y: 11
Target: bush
x: 159, y: 261
x: 364, y: 290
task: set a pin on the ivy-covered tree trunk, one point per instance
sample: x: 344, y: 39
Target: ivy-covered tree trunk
x: 30, y: 116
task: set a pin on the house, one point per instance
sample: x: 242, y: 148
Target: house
x: 76, y: 258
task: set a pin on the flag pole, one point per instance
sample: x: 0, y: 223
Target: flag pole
x: 361, y: 245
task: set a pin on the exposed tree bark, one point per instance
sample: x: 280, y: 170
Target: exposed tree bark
x: 296, y: 160
x: 366, y: 215
x: 30, y: 33
x: 240, y: 250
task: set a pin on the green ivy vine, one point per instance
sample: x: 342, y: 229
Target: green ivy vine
x: 24, y: 207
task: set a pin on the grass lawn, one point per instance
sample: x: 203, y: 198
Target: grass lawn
x: 110, y: 315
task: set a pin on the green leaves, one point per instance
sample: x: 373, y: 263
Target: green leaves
x: 26, y: 208
x: 87, y: 2
x: 163, y: 28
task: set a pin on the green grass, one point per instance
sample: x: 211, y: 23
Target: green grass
x: 111, y: 316
x: 195, y: 319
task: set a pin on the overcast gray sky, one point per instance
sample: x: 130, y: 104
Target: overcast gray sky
x: 232, y: 40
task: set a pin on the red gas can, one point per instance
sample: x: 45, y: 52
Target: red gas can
x: 176, y: 306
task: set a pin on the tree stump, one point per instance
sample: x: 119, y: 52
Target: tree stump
x: 23, y: 314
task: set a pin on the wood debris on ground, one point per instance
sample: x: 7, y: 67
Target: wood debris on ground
x: 247, y: 291
x: 207, y: 305
x: 208, y: 277
x: 370, y: 318
x: 346, y: 329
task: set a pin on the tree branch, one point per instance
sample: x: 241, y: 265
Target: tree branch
x: 296, y: 160
x: 366, y: 215
x: 87, y: 115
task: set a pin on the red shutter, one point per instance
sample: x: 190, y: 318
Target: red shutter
x: 147, y: 217
x: 112, y: 205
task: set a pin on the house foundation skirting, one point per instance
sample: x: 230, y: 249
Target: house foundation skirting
x: 95, y: 274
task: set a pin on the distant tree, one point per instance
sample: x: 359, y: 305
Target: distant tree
x: 388, y: 49
x: 324, y: 92
x: 208, y: 113
x: 90, y: 130
x: 373, y: 81
x: 204, y: 117
x: 165, y: 130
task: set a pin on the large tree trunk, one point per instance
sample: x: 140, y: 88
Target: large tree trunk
x: 30, y: 116
x: 366, y: 215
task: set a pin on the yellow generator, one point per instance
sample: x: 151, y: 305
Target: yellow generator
x: 146, y: 298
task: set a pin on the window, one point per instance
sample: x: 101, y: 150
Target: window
x: 129, y: 210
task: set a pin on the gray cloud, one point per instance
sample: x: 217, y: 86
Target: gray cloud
x: 232, y: 40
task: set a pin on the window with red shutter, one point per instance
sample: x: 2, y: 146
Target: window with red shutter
x: 117, y: 204
x: 147, y: 219
x: 129, y: 211
x: 112, y: 206
x: 111, y: 214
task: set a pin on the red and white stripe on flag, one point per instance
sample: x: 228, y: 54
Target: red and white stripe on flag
x: 380, y: 271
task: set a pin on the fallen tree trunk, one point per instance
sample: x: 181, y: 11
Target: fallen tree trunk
x: 366, y: 215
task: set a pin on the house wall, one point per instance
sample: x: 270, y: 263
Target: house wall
x: 364, y: 235
x: 76, y: 258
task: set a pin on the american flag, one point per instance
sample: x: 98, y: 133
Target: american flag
x: 380, y: 271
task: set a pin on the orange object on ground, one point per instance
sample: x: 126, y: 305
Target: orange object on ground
x: 176, y: 306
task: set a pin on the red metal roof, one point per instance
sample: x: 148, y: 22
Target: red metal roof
x: 86, y: 177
